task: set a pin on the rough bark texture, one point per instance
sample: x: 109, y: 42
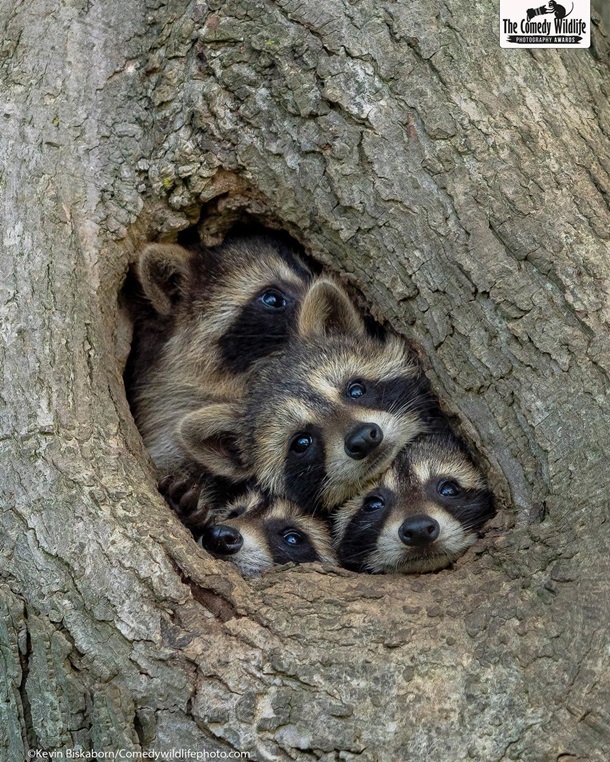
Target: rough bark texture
x: 464, y: 191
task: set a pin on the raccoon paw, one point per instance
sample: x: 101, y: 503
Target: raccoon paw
x: 187, y: 498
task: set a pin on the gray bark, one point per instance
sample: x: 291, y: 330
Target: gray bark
x: 463, y: 190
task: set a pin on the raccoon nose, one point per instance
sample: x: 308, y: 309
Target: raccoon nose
x: 223, y: 540
x: 419, y: 530
x: 363, y: 440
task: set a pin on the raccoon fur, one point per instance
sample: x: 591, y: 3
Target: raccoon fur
x: 196, y: 496
x: 422, y: 514
x: 321, y: 417
x: 256, y: 532
x: 205, y: 317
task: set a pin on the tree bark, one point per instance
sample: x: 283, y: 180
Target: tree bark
x: 463, y: 190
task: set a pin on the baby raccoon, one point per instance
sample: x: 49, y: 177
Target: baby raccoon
x: 422, y: 514
x: 258, y: 532
x: 321, y: 417
x: 206, y: 316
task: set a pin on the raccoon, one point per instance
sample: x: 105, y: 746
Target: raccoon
x: 321, y: 417
x: 422, y: 514
x: 255, y: 532
x: 205, y: 317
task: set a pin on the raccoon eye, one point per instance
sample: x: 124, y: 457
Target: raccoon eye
x: 293, y: 538
x: 301, y: 443
x: 235, y: 513
x: 449, y: 489
x: 355, y: 390
x: 273, y: 299
x: 373, y: 503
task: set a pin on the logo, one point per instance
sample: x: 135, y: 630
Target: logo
x: 547, y: 26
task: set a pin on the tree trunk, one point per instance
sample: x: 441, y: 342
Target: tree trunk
x: 464, y: 191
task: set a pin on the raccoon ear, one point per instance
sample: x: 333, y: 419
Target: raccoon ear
x: 163, y: 270
x: 209, y: 435
x: 327, y: 309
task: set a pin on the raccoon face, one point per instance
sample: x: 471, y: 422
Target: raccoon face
x: 255, y: 533
x: 324, y: 416
x: 238, y: 299
x: 335, y: 420
x: 422, y: 514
